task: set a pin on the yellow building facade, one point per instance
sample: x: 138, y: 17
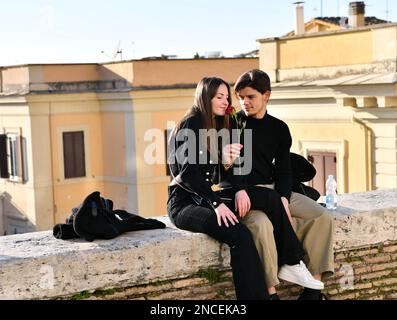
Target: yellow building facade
x: 337, y: 91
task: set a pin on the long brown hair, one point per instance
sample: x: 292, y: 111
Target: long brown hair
x: 206, y: 90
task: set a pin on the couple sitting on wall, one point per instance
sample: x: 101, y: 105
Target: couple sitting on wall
x: 253, y: 210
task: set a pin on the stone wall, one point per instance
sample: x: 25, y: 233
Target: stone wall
x: 175, y: 264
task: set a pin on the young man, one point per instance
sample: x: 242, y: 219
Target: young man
x: 271, y: 168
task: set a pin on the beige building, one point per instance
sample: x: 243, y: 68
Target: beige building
x: 337, y: 91
x: 68, y: 130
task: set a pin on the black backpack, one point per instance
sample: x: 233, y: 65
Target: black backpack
x: 303, y: 171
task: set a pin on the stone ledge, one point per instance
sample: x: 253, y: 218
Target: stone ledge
x: 38, y: 266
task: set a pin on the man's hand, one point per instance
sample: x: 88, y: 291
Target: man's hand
x: 285, y: 202
x: 242, y: 203
x: 230, y: 153
x: 223, y: 213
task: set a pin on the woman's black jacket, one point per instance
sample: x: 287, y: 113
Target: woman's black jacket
x: 190, y: 162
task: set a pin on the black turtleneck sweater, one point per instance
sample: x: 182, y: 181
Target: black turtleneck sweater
x: 270, y: 154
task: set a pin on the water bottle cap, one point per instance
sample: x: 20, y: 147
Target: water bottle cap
x: 330, y: 176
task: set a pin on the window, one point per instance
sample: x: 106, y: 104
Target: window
x: 11, y: 166
x: 13, y: 153
x: 338, y: 149
x: 167, y: 134
x: 73, y: 154
x: 325, y: 164
x: 3, y: 157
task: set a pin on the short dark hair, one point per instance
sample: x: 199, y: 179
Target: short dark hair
x: 256, y: 79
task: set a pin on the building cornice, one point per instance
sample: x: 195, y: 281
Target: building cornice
x: 328, y: 33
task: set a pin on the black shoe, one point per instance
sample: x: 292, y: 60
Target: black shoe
x: 311, y: 294
x: 274, y: 296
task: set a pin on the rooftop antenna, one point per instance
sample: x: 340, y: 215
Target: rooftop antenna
x: 387, y: 10
x: 117, y: 51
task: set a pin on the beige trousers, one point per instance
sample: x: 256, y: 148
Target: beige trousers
x: 314, y: 228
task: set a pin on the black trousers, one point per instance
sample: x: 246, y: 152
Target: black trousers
x: 247, y: 269
x: 289, y: 249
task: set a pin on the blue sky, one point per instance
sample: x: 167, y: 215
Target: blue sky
x: 68, y: 31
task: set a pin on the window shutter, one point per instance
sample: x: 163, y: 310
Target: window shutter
x: 318, y: 182
x: 73, y: 154
x: 325, y: 164
x: 79, y: 153
x: 3, y: 157
x: 167, y: 133
x: 68, y: 155
x: 330, y: 165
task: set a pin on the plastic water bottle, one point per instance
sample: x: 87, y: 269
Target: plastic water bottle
x: 330, y: 193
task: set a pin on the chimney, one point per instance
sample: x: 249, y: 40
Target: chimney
x: 356, y: 14
x: 299, y: 18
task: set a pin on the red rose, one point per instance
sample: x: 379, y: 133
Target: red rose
x: 230, y: 110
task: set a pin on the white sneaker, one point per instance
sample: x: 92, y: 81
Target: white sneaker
x: 299, y: 274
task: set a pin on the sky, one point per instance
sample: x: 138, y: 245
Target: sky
x: 90, y: 31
